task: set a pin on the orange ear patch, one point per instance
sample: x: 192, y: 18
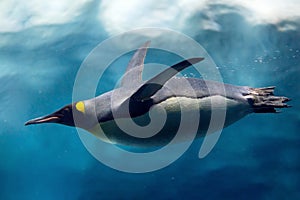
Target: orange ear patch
x: 80, y: 106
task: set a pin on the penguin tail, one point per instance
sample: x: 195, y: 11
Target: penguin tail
x: 263, y: 100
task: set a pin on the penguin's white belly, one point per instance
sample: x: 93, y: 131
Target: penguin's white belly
x: 167, y: 115
x: 224, y: 110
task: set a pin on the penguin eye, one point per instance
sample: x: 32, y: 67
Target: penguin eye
x: 65, y: 111
x: 80, y: 106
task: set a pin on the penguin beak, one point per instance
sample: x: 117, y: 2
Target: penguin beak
x: 52, y: 118
x: 62, y: 116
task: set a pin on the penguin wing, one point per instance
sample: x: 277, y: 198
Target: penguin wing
x: 133, y: 75
x: 150, y: 87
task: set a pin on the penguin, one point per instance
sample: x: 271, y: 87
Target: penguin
x: 164, y: 94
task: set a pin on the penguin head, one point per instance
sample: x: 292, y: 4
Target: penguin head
x: 65, y: 116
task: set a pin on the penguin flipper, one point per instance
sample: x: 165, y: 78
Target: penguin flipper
x: 133, y: 74
x: 156, y: 83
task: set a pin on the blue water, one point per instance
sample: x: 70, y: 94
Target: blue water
x: 257, y: 157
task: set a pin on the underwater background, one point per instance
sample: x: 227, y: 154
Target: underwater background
x: 42, y: 45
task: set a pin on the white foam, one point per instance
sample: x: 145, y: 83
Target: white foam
x: 16, y: 16
x: 118, y: 16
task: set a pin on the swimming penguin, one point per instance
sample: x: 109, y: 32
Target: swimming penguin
x: 165, y: 93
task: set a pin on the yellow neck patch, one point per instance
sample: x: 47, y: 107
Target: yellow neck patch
x: 80, y: 106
